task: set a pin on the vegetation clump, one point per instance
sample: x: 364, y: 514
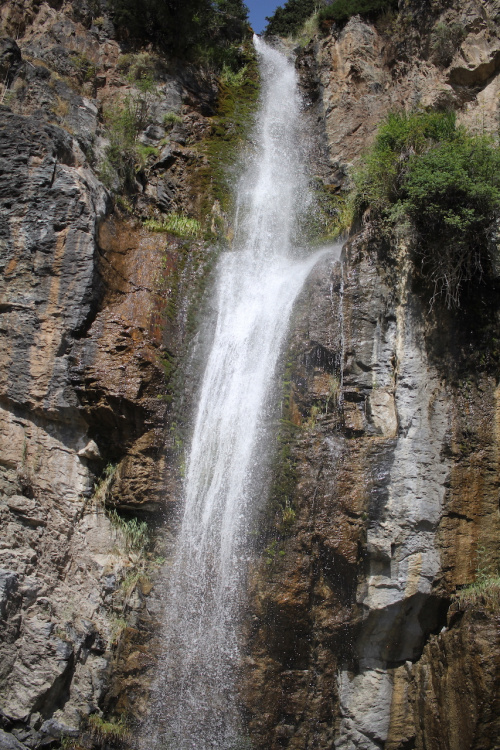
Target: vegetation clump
x: 220, y: 151
x: 104, y: 731
x: 445, y: 40
x: 125, y: 122
x: 178, y: 224
x: 429, y: 178
x: 135, y: 532
x: 203, y: 31
x: 342, y: 10
x: 485, y: 590
x: 288, y: 19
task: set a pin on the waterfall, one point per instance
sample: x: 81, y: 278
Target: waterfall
x: 257, y: 283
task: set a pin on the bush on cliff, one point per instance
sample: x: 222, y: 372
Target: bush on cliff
x: 124, y: 123
x: 288, y: 18
x: 427, y: 174
x: 341, y: 11
x: 200, y: 30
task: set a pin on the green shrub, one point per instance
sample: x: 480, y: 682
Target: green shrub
x: 445, y: 40
x: 107, y: 731
x: 171, y: 119
x: 124, y: 123
x: 378, y: 181
x: 425, y: 173
x: 84, y: 68
x: 179, y: 224
x: 200, y: 30
x: 135, y: 532
x: 451, y: 195
x: 341, y: 11
x: 287, y: 19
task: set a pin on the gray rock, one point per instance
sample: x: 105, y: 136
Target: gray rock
x: 10, y: 60
x: 166, y: 158
x: 9, y: 742
x: 56, y: 729
x: 8, y: 585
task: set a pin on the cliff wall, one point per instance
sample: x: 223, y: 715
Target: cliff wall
x: 354, y: 635
x: 395, y: 403
x: 95, y: 309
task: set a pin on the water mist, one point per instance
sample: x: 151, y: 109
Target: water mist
x: 257, y: 284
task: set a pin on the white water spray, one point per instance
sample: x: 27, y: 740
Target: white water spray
x: 258, y: 282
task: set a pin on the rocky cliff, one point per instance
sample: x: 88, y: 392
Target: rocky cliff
x: 94, y: 311
x: 355, y: 637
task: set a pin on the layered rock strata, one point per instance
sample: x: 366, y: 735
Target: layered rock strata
x: 396, y: 451
x: 95, y: 311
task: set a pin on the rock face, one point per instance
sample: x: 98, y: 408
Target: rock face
x: 396, y: 455
x: 94, y: 314
x: 387, y: 501
x: 426, y: 56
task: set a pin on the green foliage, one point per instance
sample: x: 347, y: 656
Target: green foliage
x: 287, y: 19
x: 445, y: 40
x: 429, y: 176
x: 178, y: 224
x: 485, y: 591
x: 331, y: 216
x: 341, y: 11
x: 124, y: 123
x: 84, y: 68
x: 200, y: 30
x: 272, y: 551
x: 236, y: 107
x: 142, y: 66
x: 135, y: 532
x: 108, y: 731
x: 451, y: 194
x: 171, y: 119
x: 378, y: 181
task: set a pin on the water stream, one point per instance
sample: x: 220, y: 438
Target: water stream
x: 258, y: 282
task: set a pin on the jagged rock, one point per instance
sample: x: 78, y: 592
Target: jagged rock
x: 91, y: 451
x: 10, y: 60
x: 396, y: 474
x: 9, y: 742
x: 8, y: 584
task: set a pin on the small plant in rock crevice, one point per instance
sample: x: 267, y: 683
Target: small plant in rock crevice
x: 171, y: 118
x: 125, y: 121
x: 446, y: 38
x: 103, y: 485
x: 112, y: 731
x: 485, y: 590
x: 178, y: 224
x: 135, y: 532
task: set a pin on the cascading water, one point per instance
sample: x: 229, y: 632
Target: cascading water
x: 258, y: 282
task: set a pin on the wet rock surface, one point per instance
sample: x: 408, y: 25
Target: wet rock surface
x: 394, y: 450
x: 351, y: 598
x: 392, y: 426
